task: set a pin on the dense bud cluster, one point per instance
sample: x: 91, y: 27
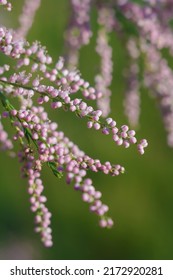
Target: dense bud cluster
x: 37, y: 80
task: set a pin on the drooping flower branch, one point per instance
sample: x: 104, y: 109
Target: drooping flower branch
x: 132, y: 93
x: 37, y: 80
x: 27, y: 17
x: 131, y: 21
x: 158, y: 78
x: 104, y: 78
x: 78, y: 32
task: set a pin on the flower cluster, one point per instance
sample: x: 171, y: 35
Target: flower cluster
x: 104, y: 78
x: 147, y: 23
x: 5, y: 142
x: 27, y: 17
x: 37, y: 80
x: 154, y: 33
x: 79, y: 31
x: 132, y: 94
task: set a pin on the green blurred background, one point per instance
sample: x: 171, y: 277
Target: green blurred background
x: 141, y: 200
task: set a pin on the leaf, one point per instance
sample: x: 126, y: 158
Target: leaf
x: 53, y: 167
x: 27, y: 136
